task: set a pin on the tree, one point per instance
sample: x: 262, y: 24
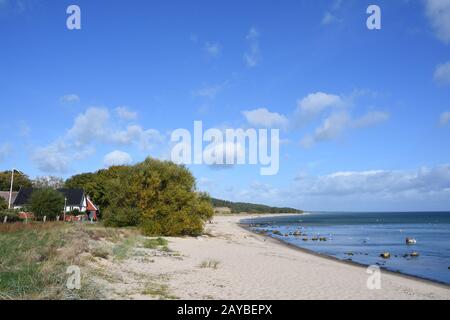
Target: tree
x: 3, y: 204
x: 158, y: 196
x: 20, y: 180
x: 46, y: 202
x: 165, y: 193
x: 48, y: 182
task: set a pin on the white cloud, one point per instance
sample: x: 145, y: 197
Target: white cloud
x: 54, y: 158
x: 125, y: 114
x: 213, y: 49
x: 331, y: 128
x: 377, y: 182
x: 445, y: 118
x: 438, y: 12
x: 95, y: 126
x: 442, y: 73
x: 264, y: 118
x: 58, y: 156
x: 370, y: 119
x: 253, y: 56
x: 145, y: 139
x: 70, y: 98
x: 117, y: 158
x: 90, y: 126
x: 315, y: 103
x: 339, y: 122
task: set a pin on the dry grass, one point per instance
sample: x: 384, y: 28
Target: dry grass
x: 35, y: 257
x: 210, y: 264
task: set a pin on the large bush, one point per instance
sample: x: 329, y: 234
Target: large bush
x: 158, y: 196
x: 46, y: 202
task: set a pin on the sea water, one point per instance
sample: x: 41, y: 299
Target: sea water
x: 362, y: 237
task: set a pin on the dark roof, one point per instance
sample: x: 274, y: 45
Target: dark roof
x: 74, y: 196
x: 5, y: 195
x: 23, y: 196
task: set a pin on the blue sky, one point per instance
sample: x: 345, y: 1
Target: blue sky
x: 364, y: 114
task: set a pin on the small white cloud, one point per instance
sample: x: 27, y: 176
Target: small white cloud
x: 253, y: 56
x: 70, y: 98
x: 315, y: 103
x: 117, y: 158
x: 442, y: 73
x: 445, y: 118
x: 264, y: 118
x: 90, y: 126
x: 213, y: 49
x: 339, y: 122
x: 125, y: 114
x: 208, y: 91
x: 438, y: 12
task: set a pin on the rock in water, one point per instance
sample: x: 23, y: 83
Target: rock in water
x: 385, y: 255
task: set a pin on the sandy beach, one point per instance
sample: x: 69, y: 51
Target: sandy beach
x: 233, y: 263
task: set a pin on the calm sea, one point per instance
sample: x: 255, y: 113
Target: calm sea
x: 362, y: 237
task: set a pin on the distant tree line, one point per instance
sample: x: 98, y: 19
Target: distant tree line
x: 238, y: 207
x: 22, y: 180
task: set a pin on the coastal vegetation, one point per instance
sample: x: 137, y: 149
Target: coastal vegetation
x: 159, y: 197
x: 240, y: 207
x: 35, y: 258
x: 46, y: 202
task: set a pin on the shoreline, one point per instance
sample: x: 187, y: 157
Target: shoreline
x: 230, y: 262
x: 246, y: 226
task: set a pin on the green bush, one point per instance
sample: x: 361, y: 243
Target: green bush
x: 121, y: 217
x: 155, y: 243
x: 158, y: 196
x: 3, y: 204
x: 46, y: 202
x: 13, y: 215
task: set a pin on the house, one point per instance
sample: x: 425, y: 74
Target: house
x: 75, y: 200
x: 5, y: 195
